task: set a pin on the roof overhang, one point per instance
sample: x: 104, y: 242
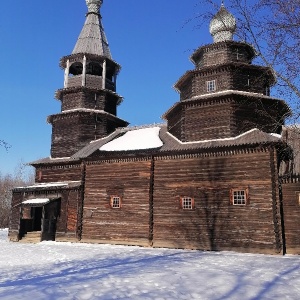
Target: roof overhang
x: 37, y: 202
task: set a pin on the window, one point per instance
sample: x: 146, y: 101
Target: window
x: 239, y: 197
x: 187, y: 203
x: 211, y: 85
x: 39, y: 175
x: 115, y: 202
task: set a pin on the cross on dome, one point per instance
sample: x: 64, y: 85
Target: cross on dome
x: 94, y: 5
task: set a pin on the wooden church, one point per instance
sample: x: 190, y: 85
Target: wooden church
x: 208, y: 178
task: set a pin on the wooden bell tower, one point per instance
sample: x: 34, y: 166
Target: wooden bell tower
x: 88, y: 99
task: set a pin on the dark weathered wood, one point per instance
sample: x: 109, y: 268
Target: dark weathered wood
x: 58, y: 173
x: 210, y: 161
x: 214, y: 224
x: 130, y: 181
x: 291, y: 213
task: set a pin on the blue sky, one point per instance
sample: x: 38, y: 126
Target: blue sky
x: 150, y: 39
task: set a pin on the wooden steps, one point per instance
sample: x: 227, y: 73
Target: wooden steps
x: 31, y: 237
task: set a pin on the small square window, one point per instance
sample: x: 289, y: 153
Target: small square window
x: 187, y: 203
x: 239, y: 196
x: 115, y: 202
x: 211, y: 85
x: 39, y: 175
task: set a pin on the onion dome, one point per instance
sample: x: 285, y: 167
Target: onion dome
x: 94, y: 5
x: 222, y: 26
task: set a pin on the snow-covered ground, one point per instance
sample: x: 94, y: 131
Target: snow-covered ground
x: 50, y: 270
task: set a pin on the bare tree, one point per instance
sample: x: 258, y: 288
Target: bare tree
x: 272, y: 27
x: 4, y: 144
x: 7, y: 183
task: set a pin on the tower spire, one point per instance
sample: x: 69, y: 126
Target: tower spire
x: 88, y: 99
x: 92, y: 39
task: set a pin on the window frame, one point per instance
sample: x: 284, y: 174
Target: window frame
x: 112, y: 202
x: 246, y: 196
x: 211, y: 85
x: 190, y: 206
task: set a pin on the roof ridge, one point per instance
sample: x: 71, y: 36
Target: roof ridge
x: 143, y: 126
x: 221, y: 139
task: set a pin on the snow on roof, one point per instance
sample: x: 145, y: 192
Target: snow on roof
x: 276, y: 135
x: 144, y: 138
x: 49, y: 184
x: 37, y: 201
x: 223, y: 139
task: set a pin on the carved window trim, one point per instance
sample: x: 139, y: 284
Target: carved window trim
x: 211, y: 86
x: 239, y: 196
x: 115, y: 202
x: 187, y: 203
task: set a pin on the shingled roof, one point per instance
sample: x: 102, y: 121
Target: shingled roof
x: 169, y: 144
x: 92, y: 39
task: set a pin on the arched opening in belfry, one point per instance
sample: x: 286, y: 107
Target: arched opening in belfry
x: 94, y: 68
x: 76, y: 69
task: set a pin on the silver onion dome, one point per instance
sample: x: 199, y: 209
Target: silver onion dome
x: 222, y: 26
x: 94, y: 5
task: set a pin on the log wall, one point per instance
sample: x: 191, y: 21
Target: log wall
x: 68, y: 219
x: 205, y: 121
x: 129, y: 224
x: 71, y: 133
x: 58, y: 173
x: 215, y: 224
x: 89, y: 99
x: 266, y: 115
x: 68, y: 224
x: 236, y: 77
x: 221, y: 53
x: 15, y: 215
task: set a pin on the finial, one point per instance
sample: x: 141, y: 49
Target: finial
x: 222, y: 3
x: 94, y: 5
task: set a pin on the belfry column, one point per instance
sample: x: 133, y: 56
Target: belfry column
x: 67, y: 70
x: 83, y: 71
x: 104, y: 74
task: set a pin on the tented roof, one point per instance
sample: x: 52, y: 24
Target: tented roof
x: 92, y: 38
